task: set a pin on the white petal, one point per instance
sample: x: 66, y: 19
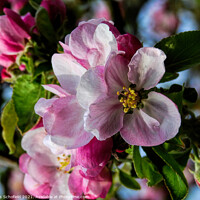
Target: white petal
x: 91, y: 87
x: 105, y: 41
x: 32, y: 142
x: 68, y: 71
x: 56, y: 89
x: 146, y: 67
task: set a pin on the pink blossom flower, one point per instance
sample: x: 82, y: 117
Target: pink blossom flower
x: 42, y: 168
x: 90, y: 39
x: 13, y: 37
x: 142, y: 119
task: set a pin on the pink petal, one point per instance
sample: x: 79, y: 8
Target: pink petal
x: 43, y: 173
x: 92, y: 188
x: 42, y: 106
x: 32, y: 142
x: 91, y: 86
x: 7, y: 60
x: 29, y: 20
x: 41, y: 191
x: 128, y: 43
x: 56, y: 89
x: 68, y: 71
x: 24, y: 162
x: 64, y: 122
x: 95, y: 154
x: 116, y: 74
x: 100, y: 185
x: 105, y: 117
x: 165, y: 111
x: 140, y: 129
x: 75, y: 183
x: 157, y: 122
x: 10, y: 47
x: 8, y: 33
x: 17, y: 23
x: 81, y: 40
x: 146, y: 67
x: 91, y: 172
x: 5, y: 74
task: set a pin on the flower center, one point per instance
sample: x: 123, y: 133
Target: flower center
x: 129, y: 98
x: 64, y: 160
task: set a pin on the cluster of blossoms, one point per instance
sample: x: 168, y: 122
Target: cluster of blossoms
x: 81, y: 108
x: 107, y: 82
x: 16, y: 32
x: 107, y: 86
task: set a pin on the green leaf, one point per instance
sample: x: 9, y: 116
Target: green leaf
x: 182, y: 50
x: 175, y: 184
x: 145, y: 169
x: 173, y: 176
x: 35, y: 3
x: 26, y: 93
x: 175, y: 93
x: 128, y: 181
x: 42, y: 67
x: 9, y: 123
x: 45, y: 26
x: 168, y: 77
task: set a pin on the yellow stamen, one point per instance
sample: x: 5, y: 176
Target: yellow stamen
x: 129, y: 98
x: 63, y: 161
x: 121, y: 100
x: 126, y: 110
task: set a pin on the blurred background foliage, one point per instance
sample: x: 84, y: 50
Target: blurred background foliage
x: 150, y: 21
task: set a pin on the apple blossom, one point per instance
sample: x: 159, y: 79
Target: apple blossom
x: 59, y: 113
x: 41, y: 167
x: 142, y: 119
x: 13, y: 37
